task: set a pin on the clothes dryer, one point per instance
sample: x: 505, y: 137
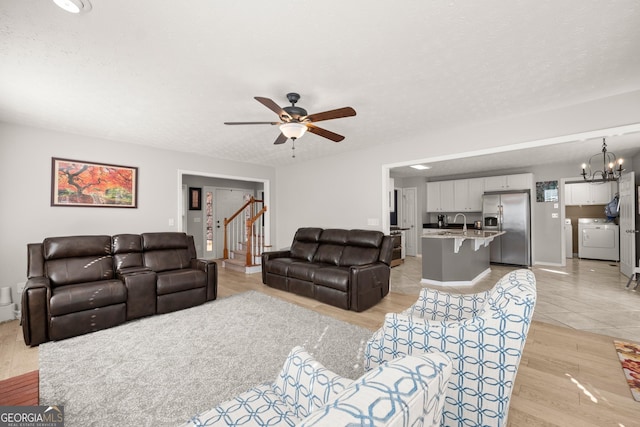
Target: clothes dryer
x: 598, y: 239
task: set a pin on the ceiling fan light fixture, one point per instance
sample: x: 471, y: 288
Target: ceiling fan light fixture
x: 293, y: 130
x: 74, y: 6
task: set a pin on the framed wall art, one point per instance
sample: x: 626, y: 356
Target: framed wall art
x: 88, y: 184
x: 195, y: 199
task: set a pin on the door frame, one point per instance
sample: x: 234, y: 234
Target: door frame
x: 266, y: 188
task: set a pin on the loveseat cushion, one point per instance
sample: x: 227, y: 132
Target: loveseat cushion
x: 305, y: 385
x: 86, y: 296
x: 77, y: 259
x: 127, y: 250
x: 75, y: 246
x: 68, y: 271
x: 169, y: 282
x: 166, y: 251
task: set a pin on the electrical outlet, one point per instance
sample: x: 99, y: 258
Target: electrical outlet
x: 555, y: 215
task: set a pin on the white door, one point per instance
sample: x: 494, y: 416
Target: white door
x: 627, y: 224
x: 409, y: 218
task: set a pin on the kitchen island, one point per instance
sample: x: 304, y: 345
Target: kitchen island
x: 456, y: 257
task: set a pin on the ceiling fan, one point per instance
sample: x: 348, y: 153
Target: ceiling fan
x: 295, y: 121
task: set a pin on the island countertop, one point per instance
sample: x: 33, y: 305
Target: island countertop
x: 479, y: 237
x: 469, y: 234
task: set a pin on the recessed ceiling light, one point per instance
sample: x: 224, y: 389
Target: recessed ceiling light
x: 421, y: 167
x: 74, y: 6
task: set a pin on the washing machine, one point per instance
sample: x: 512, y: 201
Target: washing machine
x: 598, y: 239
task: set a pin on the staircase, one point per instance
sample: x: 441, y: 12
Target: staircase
x: 244, y: 238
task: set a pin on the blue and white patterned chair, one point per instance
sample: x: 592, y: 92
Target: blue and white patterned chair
x: 407, y: 392
x: 483, y: 333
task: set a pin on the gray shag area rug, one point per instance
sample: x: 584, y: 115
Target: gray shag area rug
x: 162, y: 370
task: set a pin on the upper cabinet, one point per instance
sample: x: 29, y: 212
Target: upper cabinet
x: 584, y: 193
x: 440, y: 196
x: 520, y: 181
x: 465, y: 195
x: 468, y: 195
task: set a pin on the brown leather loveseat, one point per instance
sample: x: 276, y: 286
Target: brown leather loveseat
x: 349, y: 269
x: 80, y: 284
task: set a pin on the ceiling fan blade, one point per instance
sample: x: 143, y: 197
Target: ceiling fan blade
x: 281, y: 139
x: 332, y: 114
x: 324, y: 133
x: 270, y: 104
x: 252, y: 123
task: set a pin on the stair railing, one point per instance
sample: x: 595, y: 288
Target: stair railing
x: 245, y: 232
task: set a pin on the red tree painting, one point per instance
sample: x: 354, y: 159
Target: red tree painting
x: 78, y: 183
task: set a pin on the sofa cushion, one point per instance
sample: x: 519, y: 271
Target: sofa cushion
x: 279, y: 266
x: 303, y: 250
x: 365, y: 238
x: 303, y: 270
x: 86, y: 296
x: 169, y: 282
x: 305, y: 243
x: 328, y: 254
x: 305, y: 385
x: 355, y: 255
x: 407, y: 391
x: 332, y: 277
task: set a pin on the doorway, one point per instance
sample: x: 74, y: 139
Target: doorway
x: 194, y: 222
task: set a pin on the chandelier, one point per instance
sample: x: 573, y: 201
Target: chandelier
x: 611, y: 167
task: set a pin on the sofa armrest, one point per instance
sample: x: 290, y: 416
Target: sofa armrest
x: 210, y: 267
x: 369, y: 283
x: 267, y: 256
x: 35, y: 311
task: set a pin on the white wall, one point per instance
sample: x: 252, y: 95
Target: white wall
x: 25, y: 194
x: 346, y: 190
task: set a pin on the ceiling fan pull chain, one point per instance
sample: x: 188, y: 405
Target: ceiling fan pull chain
x: 293, y: 148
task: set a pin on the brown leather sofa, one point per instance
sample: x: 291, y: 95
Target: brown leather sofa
x: 349, y: 269
x: 81, y: 284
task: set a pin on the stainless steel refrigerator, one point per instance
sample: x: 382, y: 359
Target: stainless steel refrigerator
x: 509, y: 211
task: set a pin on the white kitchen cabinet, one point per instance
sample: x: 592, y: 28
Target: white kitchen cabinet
x: 584, y: 193
x: 440, y: 196
x: 520, y: 181
x: 468, y: 195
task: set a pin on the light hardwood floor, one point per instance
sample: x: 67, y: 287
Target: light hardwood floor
x: 568, y: 376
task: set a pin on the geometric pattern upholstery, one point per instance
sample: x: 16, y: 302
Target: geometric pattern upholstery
x: 306, y: 385
x: 405, y: 392
x: 302, y: 386
x: 483, y: 334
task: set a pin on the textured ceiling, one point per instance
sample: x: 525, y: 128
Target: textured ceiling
x: 168, y: 74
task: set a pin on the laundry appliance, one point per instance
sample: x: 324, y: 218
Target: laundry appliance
x: 598, y: 239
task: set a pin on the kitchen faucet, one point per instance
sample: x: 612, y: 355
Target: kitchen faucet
x: 464, y: 218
